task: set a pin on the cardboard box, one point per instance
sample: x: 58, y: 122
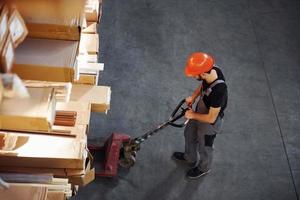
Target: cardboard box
x: 84, y: 179
x: 50, y: 31
x: 89, y: 43
x: 58, y: 19
x: 56, y: 195
x: 92, y: 11
x: 36, y: 113
x: 47, y: 60
x: 62, y: 89
x: 87, y: 79
x: 42, y: 151
x: 24, y: 191
x: 97, y: 96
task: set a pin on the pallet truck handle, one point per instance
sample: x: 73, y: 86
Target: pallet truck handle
x: 174, y: 117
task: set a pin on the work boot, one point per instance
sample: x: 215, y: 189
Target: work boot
x: 179, y: 156
x: 195, y: 173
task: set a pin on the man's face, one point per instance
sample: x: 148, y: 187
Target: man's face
x: 199, y: 77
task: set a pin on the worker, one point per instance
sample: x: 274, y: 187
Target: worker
x: 207, y: 119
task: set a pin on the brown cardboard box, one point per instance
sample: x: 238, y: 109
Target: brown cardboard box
x: 84, y: 179
x: 56, y: 195
x: 42, y: 151
x: 47, y: 60
x: 58, y: 19
x: 89, y: 73
x: 24, y: 191
x: 62, y: 89
x: 87, y: 79
x: 35, y: 113
x: 92, y: 10
x: 97, y: 96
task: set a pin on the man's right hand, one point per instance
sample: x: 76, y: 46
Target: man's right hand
x: 189, y: 101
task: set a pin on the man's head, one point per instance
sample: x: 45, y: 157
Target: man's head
x: 199, y: 65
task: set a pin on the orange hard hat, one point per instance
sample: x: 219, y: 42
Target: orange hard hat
x: 198, y: 63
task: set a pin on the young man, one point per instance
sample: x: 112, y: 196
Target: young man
x: 206, y: 121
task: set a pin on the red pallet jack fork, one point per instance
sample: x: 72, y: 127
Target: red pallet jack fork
x: 112, y: 153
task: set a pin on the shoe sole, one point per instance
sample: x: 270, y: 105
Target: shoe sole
x: 196, y: 177
x: 184, y: 161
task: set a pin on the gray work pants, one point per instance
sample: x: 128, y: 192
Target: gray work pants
x: 194, y: 134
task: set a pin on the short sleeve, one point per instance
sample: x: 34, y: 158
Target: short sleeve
x: 217, y: 96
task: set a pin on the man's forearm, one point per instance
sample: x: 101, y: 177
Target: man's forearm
x: 206, y: 118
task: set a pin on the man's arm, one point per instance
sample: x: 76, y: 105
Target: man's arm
x: 197, y: 92
x: 207, y: 118
x: 191, y: 99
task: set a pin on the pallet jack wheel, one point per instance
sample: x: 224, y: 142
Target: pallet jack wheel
x: 133, y: 153
x: 127, y: 162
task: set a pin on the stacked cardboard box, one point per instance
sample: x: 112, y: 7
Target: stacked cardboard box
x: 89, y: 44
x: 45, y: 136
x: 12, y: 32
x: 51, y: 49
x: 33, y: 114
x: 93, y: 11
x: 51, y: 21
x: 35, y: 187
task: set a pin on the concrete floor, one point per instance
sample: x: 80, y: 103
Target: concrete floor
x: 144, y: 45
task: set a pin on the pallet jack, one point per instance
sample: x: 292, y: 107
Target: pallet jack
x: 121, y: 150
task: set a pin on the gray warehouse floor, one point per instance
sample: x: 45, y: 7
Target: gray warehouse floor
x: 144, y: 45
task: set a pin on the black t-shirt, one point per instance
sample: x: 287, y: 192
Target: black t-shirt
x: 218, y: 97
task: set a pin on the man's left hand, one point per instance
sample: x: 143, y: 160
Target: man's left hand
x: 189, y: 114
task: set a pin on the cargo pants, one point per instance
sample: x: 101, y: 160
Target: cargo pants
x: 194, y: 134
